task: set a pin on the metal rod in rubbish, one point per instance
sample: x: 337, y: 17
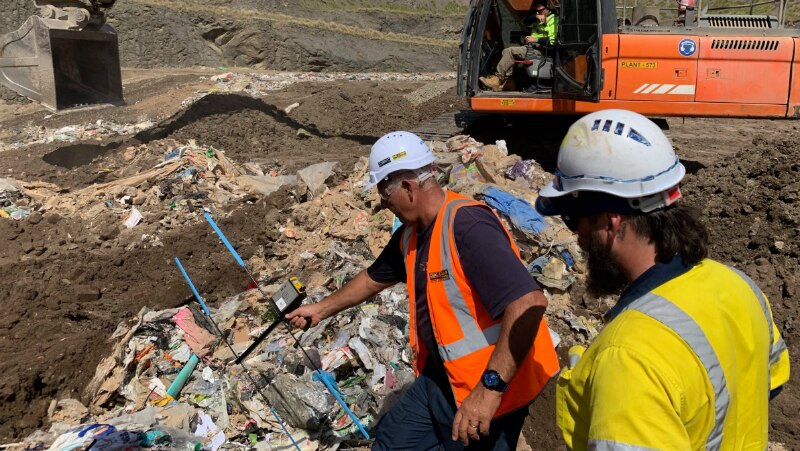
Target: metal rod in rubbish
x: 334, y: 391
x: 258, y: 341
x: 222, y: 336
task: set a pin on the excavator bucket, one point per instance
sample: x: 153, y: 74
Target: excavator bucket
x: 62, y: 68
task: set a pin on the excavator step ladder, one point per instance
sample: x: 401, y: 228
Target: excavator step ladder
x: 62, y: 68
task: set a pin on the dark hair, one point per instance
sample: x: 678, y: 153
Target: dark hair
x: 536, y: 3
x: 674, y: 230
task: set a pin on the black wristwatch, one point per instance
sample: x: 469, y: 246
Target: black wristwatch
x: 491, y: 380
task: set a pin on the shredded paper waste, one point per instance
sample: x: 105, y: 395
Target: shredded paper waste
x: 170, y: 381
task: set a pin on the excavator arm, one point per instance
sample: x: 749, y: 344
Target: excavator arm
x: 66, y: 56
x: 77, y: 14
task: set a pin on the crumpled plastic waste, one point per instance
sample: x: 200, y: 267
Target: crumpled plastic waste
x: 331, y: 235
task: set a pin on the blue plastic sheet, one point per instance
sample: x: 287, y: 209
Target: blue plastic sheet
x: 521, y: 214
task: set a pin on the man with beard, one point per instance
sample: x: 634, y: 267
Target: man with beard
x: 481, y: 349
x: 690, y: 354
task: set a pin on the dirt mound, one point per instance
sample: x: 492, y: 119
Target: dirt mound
x: 272, y: 35
x: 752, y: 205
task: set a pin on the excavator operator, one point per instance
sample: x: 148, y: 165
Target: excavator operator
x: 544, y: 25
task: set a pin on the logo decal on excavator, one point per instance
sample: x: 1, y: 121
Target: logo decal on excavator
x: 687, y: 47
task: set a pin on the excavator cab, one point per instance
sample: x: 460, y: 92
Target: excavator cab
x: 66, y: 57
x: 679, y: 61
x: 569, y: 69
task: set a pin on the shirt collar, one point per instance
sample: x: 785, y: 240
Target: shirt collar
x: 655, y: 276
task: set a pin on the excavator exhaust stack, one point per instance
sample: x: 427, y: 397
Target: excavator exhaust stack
x: 61, y: 67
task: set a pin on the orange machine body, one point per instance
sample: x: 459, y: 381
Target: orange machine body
x: 688, y: 71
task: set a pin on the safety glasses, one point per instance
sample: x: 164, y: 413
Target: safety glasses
x: 386, y: 188
x: 572, y: 222
x: 388, y: 185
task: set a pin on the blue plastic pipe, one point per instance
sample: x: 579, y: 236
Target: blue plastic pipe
x: 191, y: 285
x: 177, y: 385
x: 327, y: 379
x: 224, y: 240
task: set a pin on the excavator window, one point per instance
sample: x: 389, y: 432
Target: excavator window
x: 577, y: 50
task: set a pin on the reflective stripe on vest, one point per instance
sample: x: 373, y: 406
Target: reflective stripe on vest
x: 474, y: 338
x: 776, y: 349
x: 667, y: 313
x: 608, y: 445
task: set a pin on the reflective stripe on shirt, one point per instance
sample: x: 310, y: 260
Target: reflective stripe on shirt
x: 682, y: 324
x: 609, y: 445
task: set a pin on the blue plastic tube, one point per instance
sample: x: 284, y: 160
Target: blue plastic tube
x: 177, y: 385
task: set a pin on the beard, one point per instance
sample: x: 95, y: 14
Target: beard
x: 604, y: 275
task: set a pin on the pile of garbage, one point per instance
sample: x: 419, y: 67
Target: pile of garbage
x: 188, y: 179
x: 259, y: 84
x: 13, y: 203
x: 98, y: 131
x: 171, y: 380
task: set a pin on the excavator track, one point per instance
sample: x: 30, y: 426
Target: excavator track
x: 446, y: 125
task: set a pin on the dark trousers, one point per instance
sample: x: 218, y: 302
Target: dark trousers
x: 423, y: 417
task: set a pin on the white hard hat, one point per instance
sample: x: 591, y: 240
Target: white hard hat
x: 397, y: 151
x: 619, y: 153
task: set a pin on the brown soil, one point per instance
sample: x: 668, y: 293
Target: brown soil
x: 68, y: 282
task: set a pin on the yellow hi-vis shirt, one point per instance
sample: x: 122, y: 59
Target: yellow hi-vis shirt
x: 684, y: 364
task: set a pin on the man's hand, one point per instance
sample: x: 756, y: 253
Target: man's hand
x: 308, y: 315
x: 475, y: 414
x: 354, y: 292
x: 531, y: 40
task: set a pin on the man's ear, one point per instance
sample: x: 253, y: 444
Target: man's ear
x: 615, y: 225
x: 409, y: 188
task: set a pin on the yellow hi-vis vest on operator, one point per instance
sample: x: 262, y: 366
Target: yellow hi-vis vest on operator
x: 687, y: 365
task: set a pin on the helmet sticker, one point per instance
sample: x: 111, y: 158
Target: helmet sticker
x: 687, y: 47
x: 636, y: 136
x: 384, y: 162
x: 399, y: 155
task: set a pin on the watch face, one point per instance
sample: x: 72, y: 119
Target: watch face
x: 491, y: 379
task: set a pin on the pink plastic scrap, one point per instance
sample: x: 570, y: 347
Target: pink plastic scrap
x: 198, y: 339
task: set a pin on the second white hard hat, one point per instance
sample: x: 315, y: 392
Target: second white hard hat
x: 394, y: 152
x: 617, y: 152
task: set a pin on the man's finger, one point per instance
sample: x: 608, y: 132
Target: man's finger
x: 473, y: 432
x: 456, y: 424
x: 463, y: 430
x: 484, y: 428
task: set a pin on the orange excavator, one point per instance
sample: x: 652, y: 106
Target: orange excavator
x: 693, y: 65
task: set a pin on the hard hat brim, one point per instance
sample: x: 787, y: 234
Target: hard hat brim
x: 369, y: 186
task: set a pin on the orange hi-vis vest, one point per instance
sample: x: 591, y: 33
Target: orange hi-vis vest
x: 465, y: 333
